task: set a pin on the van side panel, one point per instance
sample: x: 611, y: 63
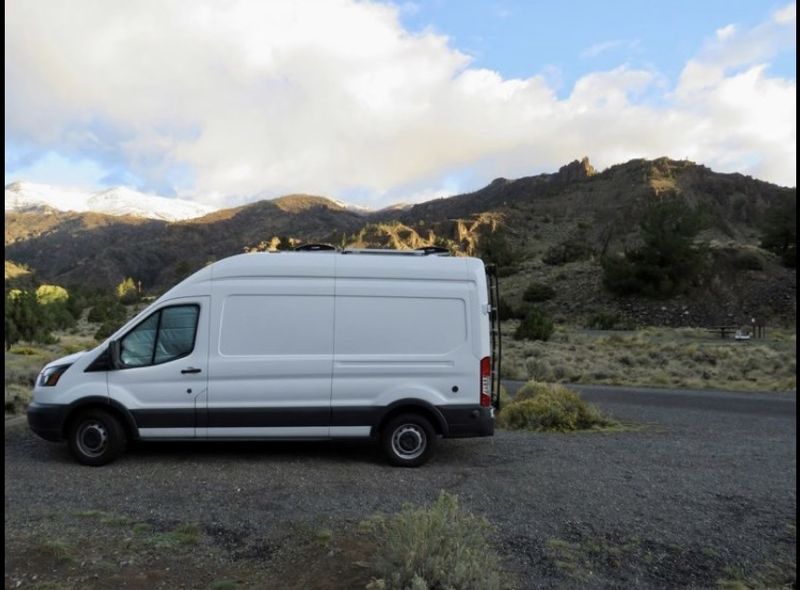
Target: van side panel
x: 271, y: 355
x: 403, y: 338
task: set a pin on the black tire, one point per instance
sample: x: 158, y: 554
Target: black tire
x: 408, y: 440
x: 95, y: 437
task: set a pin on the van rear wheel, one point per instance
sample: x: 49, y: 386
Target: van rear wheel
x: 96, y: 437
x: 408, y: 440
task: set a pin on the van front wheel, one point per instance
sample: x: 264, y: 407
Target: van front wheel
x: 408, y: 440
x: 96, y: 437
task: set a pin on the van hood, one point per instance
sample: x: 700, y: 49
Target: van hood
x: 66, y: 360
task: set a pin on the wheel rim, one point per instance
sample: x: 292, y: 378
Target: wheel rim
x: 409, y: 441
x: 92, y: 438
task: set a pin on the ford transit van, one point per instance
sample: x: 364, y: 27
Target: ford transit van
x: 397, y: 346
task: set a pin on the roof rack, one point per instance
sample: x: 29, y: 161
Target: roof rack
x: 315, y: 248
x: 434, y: 250
x: 424, y: 251
x: 427, y: 251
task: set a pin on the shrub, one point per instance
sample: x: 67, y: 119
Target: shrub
x: 494, y: 248
x: 17, y: 397
x: 570, y: 250
x: 667, y: 261
x: 107, y: 309
x: 505, y: 399
x: 46, y: 294
x: 536, y: 292
x: 530, y: 390
x: 535, y: 326
x: 539, y: 370
x: 26, y: 319
x: 506, y: 311
x: 748, y: 260
x: 603, y: 321
x: 106, y: 329
x: 511, y: 369
x: 780, y: 228
x: 442, y: 547
x: 127, y: 292
x: 551, y: 407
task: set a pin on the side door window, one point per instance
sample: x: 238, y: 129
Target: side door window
x: 166, y: 335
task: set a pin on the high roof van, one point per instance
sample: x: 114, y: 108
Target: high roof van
x: 396, y: 346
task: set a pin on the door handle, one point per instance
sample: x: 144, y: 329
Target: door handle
x: 190, y: 370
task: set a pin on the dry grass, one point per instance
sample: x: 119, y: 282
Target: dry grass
x: 659, y: 357
x: 24, y: 361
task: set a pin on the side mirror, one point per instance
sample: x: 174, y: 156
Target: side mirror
x: 114, y: 354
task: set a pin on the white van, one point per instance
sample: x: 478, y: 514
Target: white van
x: 344, y: 344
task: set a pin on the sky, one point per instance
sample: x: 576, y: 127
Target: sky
x: 229, y: 101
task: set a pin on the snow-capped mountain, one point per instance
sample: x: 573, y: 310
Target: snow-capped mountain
x: 116, y: 201
x: 354, y: 208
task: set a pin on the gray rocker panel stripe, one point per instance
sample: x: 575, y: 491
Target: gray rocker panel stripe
x: 277, y: 417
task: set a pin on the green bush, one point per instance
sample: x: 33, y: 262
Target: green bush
x: 494, y: 248
x: 27, y: 319
x: 536, y: 292
x: 438, y: 547
x: 106, y: 329
x: 107, y: 309
x: 506, y: 311
x: 550, y: 407
x: 535, y: 326
x: 780, y: 228
x: 668, y: 260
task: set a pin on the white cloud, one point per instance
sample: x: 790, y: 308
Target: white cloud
x: 335, y: 96
x: 786, y: 15
x: 726, y: 32
x: 606, y: 46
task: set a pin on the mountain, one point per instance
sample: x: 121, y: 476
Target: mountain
x: 557, y: 225
x: 22, y: 196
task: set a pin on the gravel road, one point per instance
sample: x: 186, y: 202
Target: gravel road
x: 707, y: 487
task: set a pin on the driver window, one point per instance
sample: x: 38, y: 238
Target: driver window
x: 166, y: 335
x: 176, y: 332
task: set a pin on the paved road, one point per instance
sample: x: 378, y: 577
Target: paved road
x: 754, y: 403
x: 708, y: 485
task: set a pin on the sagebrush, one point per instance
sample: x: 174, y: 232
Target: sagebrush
x: 438, y: 547
x: 551, y: 407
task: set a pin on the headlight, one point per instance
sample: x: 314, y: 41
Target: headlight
x: 50, y: 376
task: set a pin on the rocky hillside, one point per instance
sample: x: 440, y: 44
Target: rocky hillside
x: 557, y: 225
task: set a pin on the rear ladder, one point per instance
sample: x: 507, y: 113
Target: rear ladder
x: 493, y: 284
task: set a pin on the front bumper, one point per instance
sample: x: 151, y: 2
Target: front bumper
x: 47, y: 420
x: 468, y: 421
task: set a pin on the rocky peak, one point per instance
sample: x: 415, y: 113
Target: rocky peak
x: 576, y: 170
